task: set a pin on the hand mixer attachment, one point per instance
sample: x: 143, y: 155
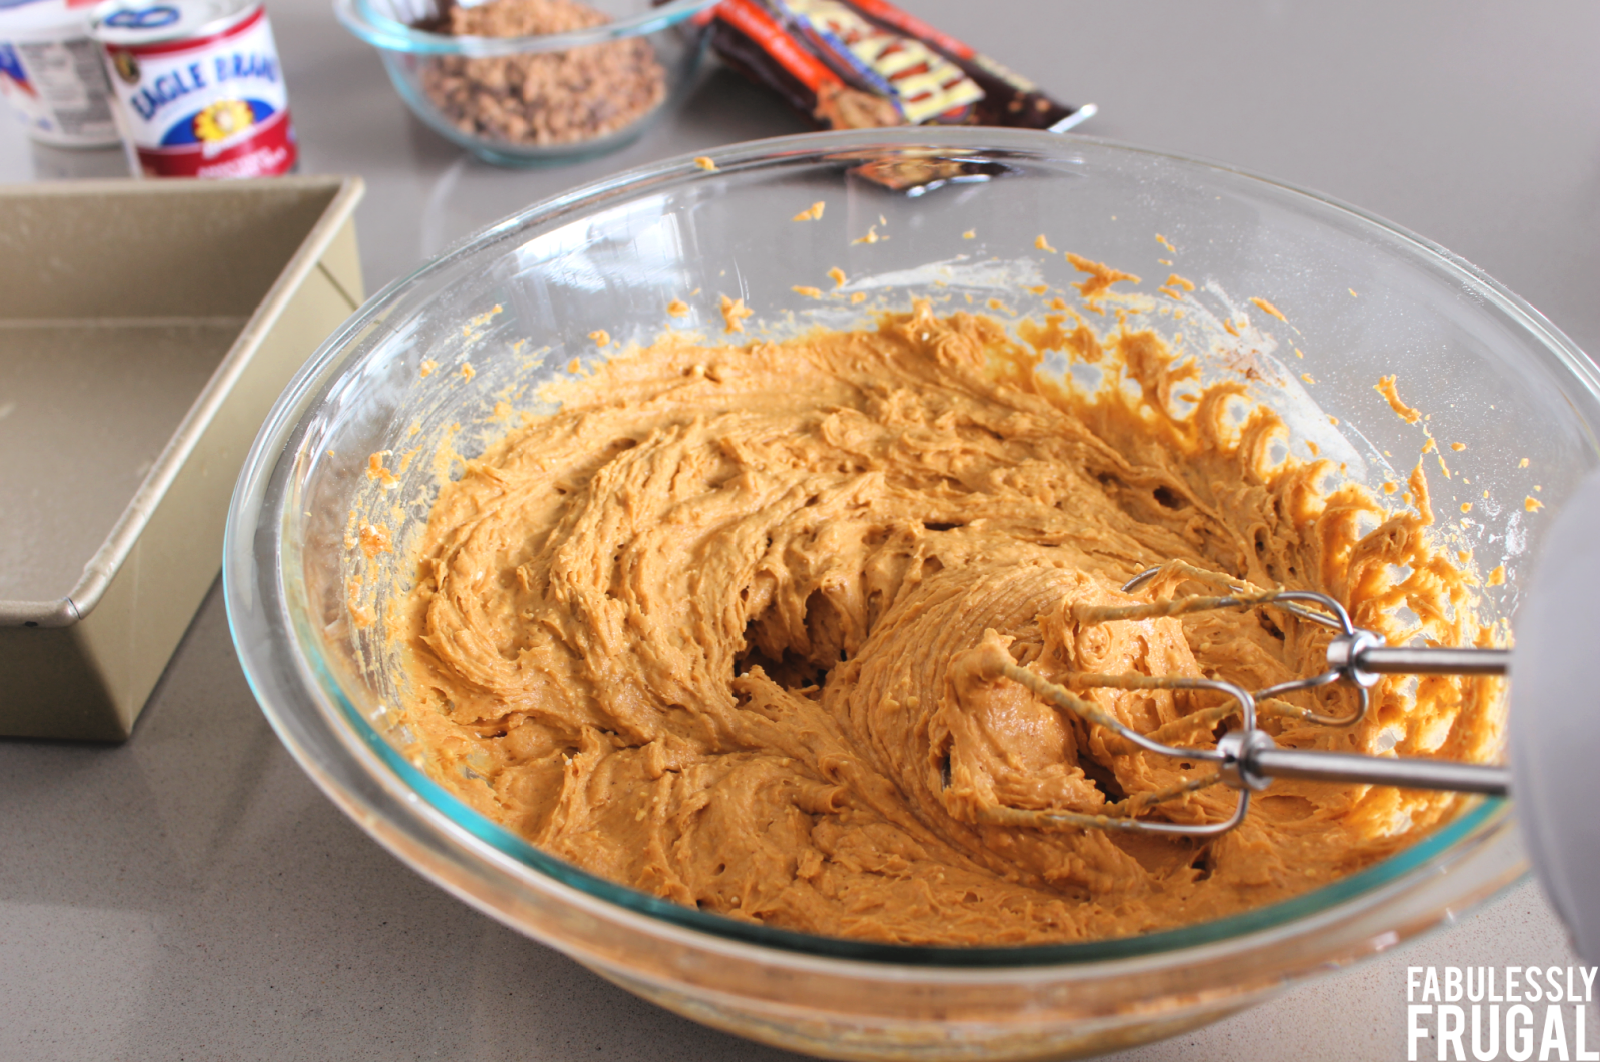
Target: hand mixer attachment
x: 1246, y: 758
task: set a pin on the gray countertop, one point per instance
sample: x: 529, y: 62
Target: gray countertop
x: 191, y: 895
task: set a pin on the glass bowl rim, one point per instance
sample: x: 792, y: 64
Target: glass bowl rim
x: 381, y: 31
x: 353, y: 730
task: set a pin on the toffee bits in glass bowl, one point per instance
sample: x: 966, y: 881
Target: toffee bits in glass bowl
x: 519, y: 82
x: 543, y: 97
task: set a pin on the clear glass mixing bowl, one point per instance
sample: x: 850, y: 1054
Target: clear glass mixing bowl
x: 423, y: 63
x: 1362, y: 299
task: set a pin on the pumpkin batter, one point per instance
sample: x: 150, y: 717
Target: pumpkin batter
x: 716, y: 629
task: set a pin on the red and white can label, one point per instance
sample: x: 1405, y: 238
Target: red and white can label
x: 210, y: 106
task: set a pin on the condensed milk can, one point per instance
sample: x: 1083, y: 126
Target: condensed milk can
x: 199, y: 87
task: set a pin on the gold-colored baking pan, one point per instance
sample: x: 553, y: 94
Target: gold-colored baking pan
x: 145, y: 329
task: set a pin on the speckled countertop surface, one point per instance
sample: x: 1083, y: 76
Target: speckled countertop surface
x: 190, y: 895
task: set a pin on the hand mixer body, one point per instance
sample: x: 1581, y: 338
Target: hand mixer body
x: 1555, y: 714
x: 1555, y: 717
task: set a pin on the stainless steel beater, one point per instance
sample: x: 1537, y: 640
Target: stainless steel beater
x: 1246, y: 758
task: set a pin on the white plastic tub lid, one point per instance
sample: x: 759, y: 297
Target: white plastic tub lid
x: 33, y: 16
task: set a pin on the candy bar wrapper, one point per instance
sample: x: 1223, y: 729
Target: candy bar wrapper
x: 854, y: 64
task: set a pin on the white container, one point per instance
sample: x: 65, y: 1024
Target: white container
x: 52, y: 75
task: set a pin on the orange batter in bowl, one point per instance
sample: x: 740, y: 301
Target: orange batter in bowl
x: 711, y: 630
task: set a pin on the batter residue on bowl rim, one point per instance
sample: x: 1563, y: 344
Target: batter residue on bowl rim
x: 710, y: 631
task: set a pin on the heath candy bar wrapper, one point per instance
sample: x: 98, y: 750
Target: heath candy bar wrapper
x: 200, y: 88
x: 850, y: 64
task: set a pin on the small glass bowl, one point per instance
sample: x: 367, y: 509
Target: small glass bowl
x: 517, y: 303
x: 521, y: 101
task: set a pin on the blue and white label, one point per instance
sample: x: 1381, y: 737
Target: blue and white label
x: 58, y: 90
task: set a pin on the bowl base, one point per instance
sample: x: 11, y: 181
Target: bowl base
x: 857, y: 1038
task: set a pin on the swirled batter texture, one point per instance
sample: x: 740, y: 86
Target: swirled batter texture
x: 714, y: 631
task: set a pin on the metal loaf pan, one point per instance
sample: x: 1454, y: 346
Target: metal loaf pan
x: 145, y: 329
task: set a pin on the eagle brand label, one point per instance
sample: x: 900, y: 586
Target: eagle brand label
x: 208, y: 105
